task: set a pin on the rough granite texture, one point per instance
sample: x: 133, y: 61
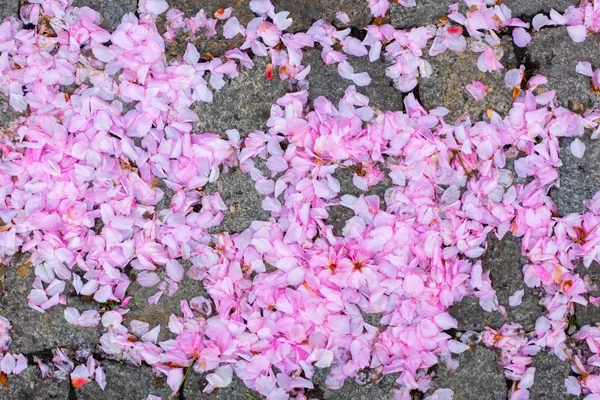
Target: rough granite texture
x: 452, y: 71
x: 244, y: 103
x: 29, y: 385
x: 325, y: 80
x: 530, y: 8
x: 424, y: 13
x: 195, y: 384
x: 553, y: 54
x: 32, y: 331
x: 306, y: 12
x: 589, y: 315
x: 243, y: 201
x: 126, y: 382
x: 579, y: 178
x: 479, y: 376
x: 158, y: 314
x: 550, y: 375
x: 111, y: 11
x: 503, y: 260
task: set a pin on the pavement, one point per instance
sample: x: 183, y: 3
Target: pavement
x: 479, y: 375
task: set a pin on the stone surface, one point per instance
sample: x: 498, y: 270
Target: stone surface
x: 6, y: 117
x: 244, y: 202
x: 579, y: 178
x: 590, y: 314
x: 326, y: 81
x: 29, y: 326
x: 195, y: 383
x: 550, y: 375
x: 503, y: 260
x: 381, y: 390
x: 111, y: 11
x: 470, y: 315
x: 453, y: 71
x: 158, y: 314
x: 338, y: 215
x: 478, y: 376
x: 553, y: 54
x: 306, y: 12
x: 530, y: 8
x: 243, y: 104
x: 29, y: 385
x: 126, y: 382
x: 424, y: 13
x: 9, y: 8
x: 192, y: 7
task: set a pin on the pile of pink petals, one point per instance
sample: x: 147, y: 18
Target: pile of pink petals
x: 286, y: 295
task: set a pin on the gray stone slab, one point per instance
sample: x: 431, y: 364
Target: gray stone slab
x: 305, y: 13
x: 9, y: 8
x: 159, y: 314
x: 8, y: 116
x: 33, y: 331
x: 553, y: 54
x: 29, y: 385
x: 192, y: 7
x: 111, y: 11
x: 479, y: 376
x: 195, y: 383
x: 424, y: 13
x: 453, y: 71
x: 243, y: 201
x: 589, y: 314
x: 579, y: 178
x: 503, y: 260
x: 126, y: 382
x: 325, y: 81
x: 470, y: 316
x: 530, y: 8
x: 243, y: 104
x: 338, y: 215
x: 550, y: 375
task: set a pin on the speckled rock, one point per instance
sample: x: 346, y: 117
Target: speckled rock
x: 579, y: 178
x: 195, y: 383
x: 30, y: 326
x: 126, y: 382
x: 479, y: 376
x: 369, y: 388
x: 589, y: 314
x: 159, y: 314
x: 9, y: 8
x: 470, y: 315
x: 111, y: 11
x: 7, y: 115
x: 553, y: 54
x: 243, y: 201
x: 29, y: 385
x: 338, y: 215
x: 424, y: 13
x: 325, y: 81
x: 306, y: 12
x: 243, y: 104
x: 453, y: 71
x: 550, y: 375
x: 503, y: 260
x: 192, y: 7
x: 530, y: 8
